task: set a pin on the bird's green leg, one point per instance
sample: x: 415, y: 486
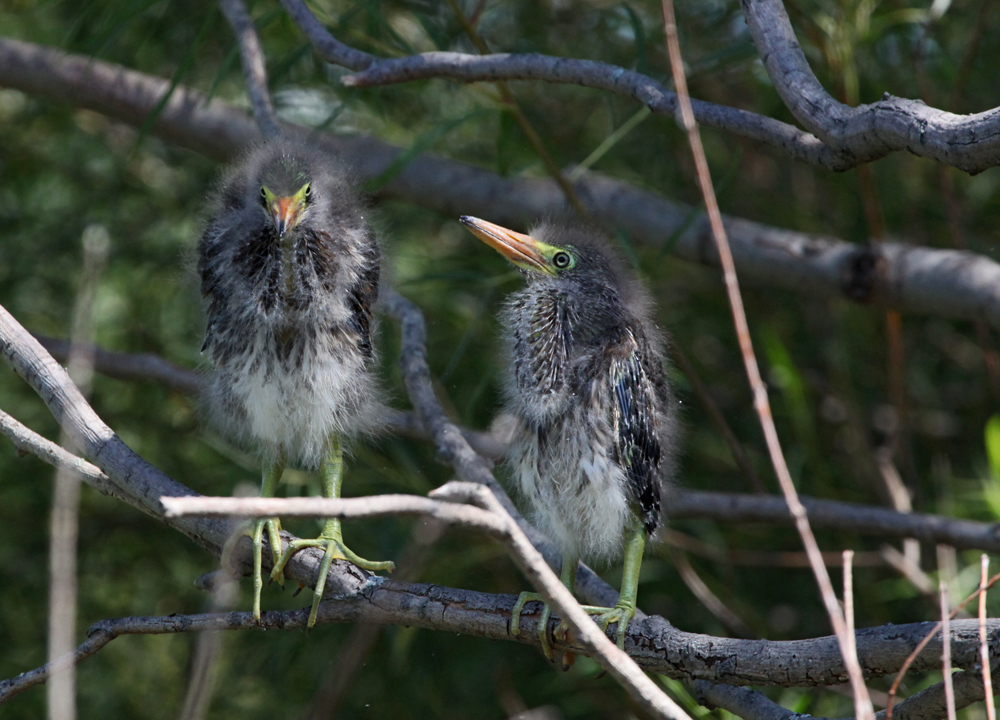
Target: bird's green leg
x: 254, y: 529
x: 330, y: 539
x: 568, y: 577
x: 624, y: 609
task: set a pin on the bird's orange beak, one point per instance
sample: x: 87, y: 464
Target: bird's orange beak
x: 287, y: 211
x: 522, y: 250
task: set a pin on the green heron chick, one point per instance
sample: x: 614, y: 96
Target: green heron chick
x: 290, y: 269
x: 596, y: 430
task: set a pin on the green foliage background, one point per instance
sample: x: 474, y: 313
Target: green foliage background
x: 62, y: 170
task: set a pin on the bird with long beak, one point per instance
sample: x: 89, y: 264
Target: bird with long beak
x: 289, y: 270
x: 595, y: 429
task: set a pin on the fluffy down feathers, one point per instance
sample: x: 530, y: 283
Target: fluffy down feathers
x: 289, y: 318
x: 594, y: 440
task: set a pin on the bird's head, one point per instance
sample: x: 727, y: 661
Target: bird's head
x: 285, y: 193
x: 551, y: 253
x: 285, y: 211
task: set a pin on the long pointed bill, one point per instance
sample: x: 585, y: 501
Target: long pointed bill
x: 522, y: 250
x: 287, y: 212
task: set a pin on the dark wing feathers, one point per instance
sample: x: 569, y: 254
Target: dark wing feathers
x: 636, y: 445
x: 361, y: 300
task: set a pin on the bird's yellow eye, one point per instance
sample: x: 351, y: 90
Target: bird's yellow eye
x: 562, y: 260
x: 308, y: 191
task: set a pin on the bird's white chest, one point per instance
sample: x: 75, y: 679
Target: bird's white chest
x: 576, y: 491
x: 296, y: 406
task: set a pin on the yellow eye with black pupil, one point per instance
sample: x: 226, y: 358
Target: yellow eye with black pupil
x: 309, y: 190
x: 561, y: 260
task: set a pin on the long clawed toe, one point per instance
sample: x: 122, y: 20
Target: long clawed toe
x: 543, y: 621
x: 254, y: 529
x: 333, y: 549
x: 620, y: 614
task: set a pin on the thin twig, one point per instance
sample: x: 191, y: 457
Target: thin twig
x: 732, y: 622
x: 909, y: 569
x: 984, y: 651
x: 61, y: 691
x: 949, y: 689
x: 863, y: 705
x: 900, y: 497
x: 861, y: 699
x: 254, y: 70
x: 926, y: 640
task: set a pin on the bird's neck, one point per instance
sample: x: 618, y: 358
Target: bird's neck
x: 286, y: 246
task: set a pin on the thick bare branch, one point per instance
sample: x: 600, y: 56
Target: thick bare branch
x: 912, y: 279
x: 831, y: 514
x: 254, y: 71
x: 867, y: 132
x: 843, y: 137
x: 653, y: 643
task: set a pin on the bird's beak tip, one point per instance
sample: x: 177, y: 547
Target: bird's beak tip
x: 286, y: 212
x: 520, y: 249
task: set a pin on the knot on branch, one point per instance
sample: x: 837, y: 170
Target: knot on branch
x: 862, y: 273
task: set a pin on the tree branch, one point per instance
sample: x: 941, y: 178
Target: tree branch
x: 927, y: 704
x: 867, y: 132
x: 942, y: 283
x: 847, y: 137
x: 653, y: 642
x: 254, y: 71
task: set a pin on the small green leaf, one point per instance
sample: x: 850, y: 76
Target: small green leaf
x: 992, y: 434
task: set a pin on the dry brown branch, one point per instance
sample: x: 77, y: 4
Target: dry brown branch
x: 928, y: 638
x: 942, y: 283
x: 984, y: 651
x: 949, y: 689
x: 845, y: 638
x: 61, y: 692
